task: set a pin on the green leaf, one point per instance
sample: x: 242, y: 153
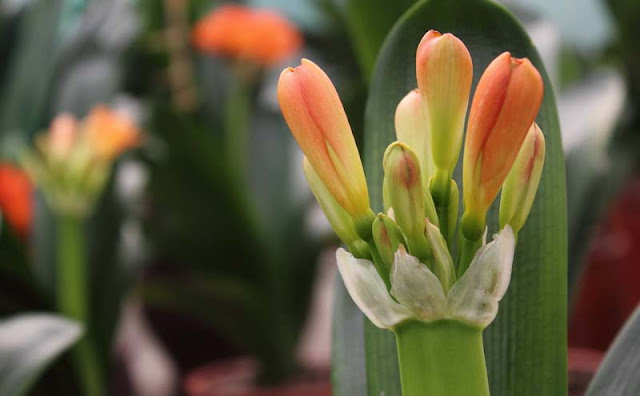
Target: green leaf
x: 618, y: 373
x: 28, y: 344
x: 28, y: 75
x: 526, y: 345
x: 368, y: 22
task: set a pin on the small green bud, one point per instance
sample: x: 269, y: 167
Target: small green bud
x: 387, y: 237
x: 442, y: 265
x: 521, y: 185
x: 405, y: 192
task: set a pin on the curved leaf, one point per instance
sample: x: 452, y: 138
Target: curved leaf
x: 28, y: 344
x: 618, y: 374
x: 369, y: 21
x: 526, y: 345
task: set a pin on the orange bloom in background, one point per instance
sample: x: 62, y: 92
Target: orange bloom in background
x: 260, y: 36
x: 16, y: 201
x: 109, y: 133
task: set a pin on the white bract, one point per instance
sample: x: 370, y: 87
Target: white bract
x: 416, y: 292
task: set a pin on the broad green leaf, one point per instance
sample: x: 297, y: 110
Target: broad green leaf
x: 618, y: 373
x: 28, y: 344
x: 368, y: 22
x: 526, y: 345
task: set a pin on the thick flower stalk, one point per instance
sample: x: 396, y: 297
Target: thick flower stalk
x: 436, y: 299
x: 71, y: 165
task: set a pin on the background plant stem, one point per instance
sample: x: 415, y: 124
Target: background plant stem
x: 442, y: 358
x: 72, y: 297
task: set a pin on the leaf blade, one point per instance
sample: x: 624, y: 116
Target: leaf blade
x: 526, y: 345
x: 28, y: 343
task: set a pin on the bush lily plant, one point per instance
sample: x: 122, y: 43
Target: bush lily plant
x: 71, y: 165
x: 405, y: 269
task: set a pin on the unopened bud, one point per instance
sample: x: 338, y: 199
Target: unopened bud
x: 412, y: 129
x: 406, y: 195
x: 521, y: 185
x: 387, y: 237
x: 504, y: 106
x: 444, y: 71
x: 442, y: 265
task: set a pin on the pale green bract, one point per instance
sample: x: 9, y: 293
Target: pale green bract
x: 416, y: 292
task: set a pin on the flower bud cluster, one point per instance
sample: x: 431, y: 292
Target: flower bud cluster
x: 402, y: 265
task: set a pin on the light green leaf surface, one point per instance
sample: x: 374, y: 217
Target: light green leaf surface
x: 28, y: 344
x: 618, y: 373
x: 526, y: 345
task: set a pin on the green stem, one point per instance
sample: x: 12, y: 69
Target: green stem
x: 236, y: 119
x: 442, y: 358
x: 467, y: 249
x: 72, y: 297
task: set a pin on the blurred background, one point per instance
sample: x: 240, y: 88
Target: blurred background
x: 142, y: 141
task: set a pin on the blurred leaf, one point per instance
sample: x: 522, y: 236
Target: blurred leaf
x: 28, y: 344
x: 368, y: 22
x: 526, y: 345
x: 18, y: 288
x: 23, y: 95
x: 626, y: 14
x: 618, y: 373
x: 349, y: 374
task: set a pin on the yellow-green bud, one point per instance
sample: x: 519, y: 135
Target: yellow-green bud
x: 387, y: 237
x: 442, y: 261
x: 412, y: 129
x: 406, y: 195
x: 338, y: 217
x: 521, y: 184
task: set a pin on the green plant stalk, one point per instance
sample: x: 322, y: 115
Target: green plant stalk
x: 72, y: 297
x: 467, y: 249
x: 236, y: 122
x: 442, y: 358
x: 440, y: 191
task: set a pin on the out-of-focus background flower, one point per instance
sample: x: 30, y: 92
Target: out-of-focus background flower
x: 142, y: 140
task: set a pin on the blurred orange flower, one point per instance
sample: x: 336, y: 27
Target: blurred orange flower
x: 109, y: 134
x: 260, y: 36
x: 15, y: 198
x: 72, y: 161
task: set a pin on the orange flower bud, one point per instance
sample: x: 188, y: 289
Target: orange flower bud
x: 109, y: 134
x: 444, y: 71
x: 412, y: 129
x: 519, y: 189
x: 504, y: 106
x: 16, y: 202
x: 313, y: 110
x: 260, y: 36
